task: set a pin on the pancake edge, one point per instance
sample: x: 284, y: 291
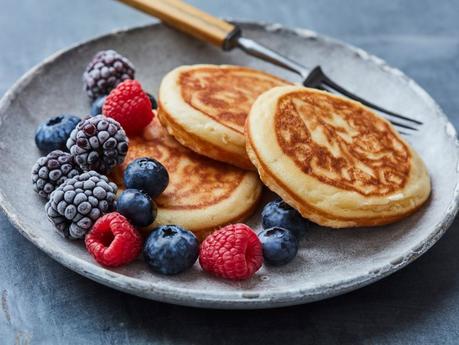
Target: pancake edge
x: 238, y: 206
x: 199, y: 145
x: 216, y: 141
x: 201, y: 230
x: 306, y: 209
x: 205, y: 220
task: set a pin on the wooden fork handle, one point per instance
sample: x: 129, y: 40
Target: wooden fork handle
x: 189, y: 20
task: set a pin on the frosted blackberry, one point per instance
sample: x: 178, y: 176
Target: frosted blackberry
x: 106, y: 70
x: 98, y: 143
x: 51, y: 171
x: 77, y: 203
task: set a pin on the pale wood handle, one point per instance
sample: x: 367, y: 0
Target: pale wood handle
x: 188, y: 19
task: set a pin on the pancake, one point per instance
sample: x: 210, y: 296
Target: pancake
x: 202, y: 194
x: 205, y: 107
x: 334, y: 160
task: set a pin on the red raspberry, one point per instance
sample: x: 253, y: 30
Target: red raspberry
x: 113, y: 241
x: 130, y: 106
x: 233, y: 252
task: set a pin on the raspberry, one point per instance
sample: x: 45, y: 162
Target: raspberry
x: 130, y: 106
x: 233, y: 252
x: 113, y: 241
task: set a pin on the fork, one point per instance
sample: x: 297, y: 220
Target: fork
x: 194, y: 22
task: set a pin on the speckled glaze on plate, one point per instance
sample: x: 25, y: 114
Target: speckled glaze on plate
x: 329, y: 263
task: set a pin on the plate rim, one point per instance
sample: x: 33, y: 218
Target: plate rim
x: 237, y: 299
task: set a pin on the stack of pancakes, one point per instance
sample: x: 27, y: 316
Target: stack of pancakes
x: 334, y: 160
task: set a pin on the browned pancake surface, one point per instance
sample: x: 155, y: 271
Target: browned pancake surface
x: 341, y: 145
x: 194, y: 181
x: 225, y: 94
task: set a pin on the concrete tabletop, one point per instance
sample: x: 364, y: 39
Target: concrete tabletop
x: 41, y: 302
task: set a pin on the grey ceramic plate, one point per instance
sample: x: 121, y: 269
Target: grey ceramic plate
x: 329, y: 263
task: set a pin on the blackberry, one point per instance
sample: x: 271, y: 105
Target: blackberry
x: 106, y: 70
x: 77, y: 203
x: 98, y: 143
x: 51, y: 171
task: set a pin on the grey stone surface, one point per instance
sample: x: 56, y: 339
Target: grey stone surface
x: 44, y: 303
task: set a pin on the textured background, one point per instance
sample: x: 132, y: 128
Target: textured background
x: 42, y: 302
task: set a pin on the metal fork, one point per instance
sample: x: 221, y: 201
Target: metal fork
x: 227, y: 36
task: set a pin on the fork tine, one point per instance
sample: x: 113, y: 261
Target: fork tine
x: 317, y: 76
x: 395, y: 123
x: 369, y: 104
x: 401, y: 125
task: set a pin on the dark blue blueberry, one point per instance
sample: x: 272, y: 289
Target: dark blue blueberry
x: 278, y: 213
x: 147, y: 175
x: 53, y: 134
x: 170, y: 249
x: 279, y: 246
x: 154, y: 104
x: 137, y: 207
x: 97, y: 105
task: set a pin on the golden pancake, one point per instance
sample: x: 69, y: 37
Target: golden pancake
x: 202, y: 194
x: 205, y: 107
x: 334, y: 160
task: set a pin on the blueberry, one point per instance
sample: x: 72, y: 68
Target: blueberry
x: 137, y: 207
x: 278, y: 213
x: 53, y: 134
x: 97, y: 105
x: 170, y: 249
x: 147, y: 175
x: 279, y: 246
x: 154, y: 104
